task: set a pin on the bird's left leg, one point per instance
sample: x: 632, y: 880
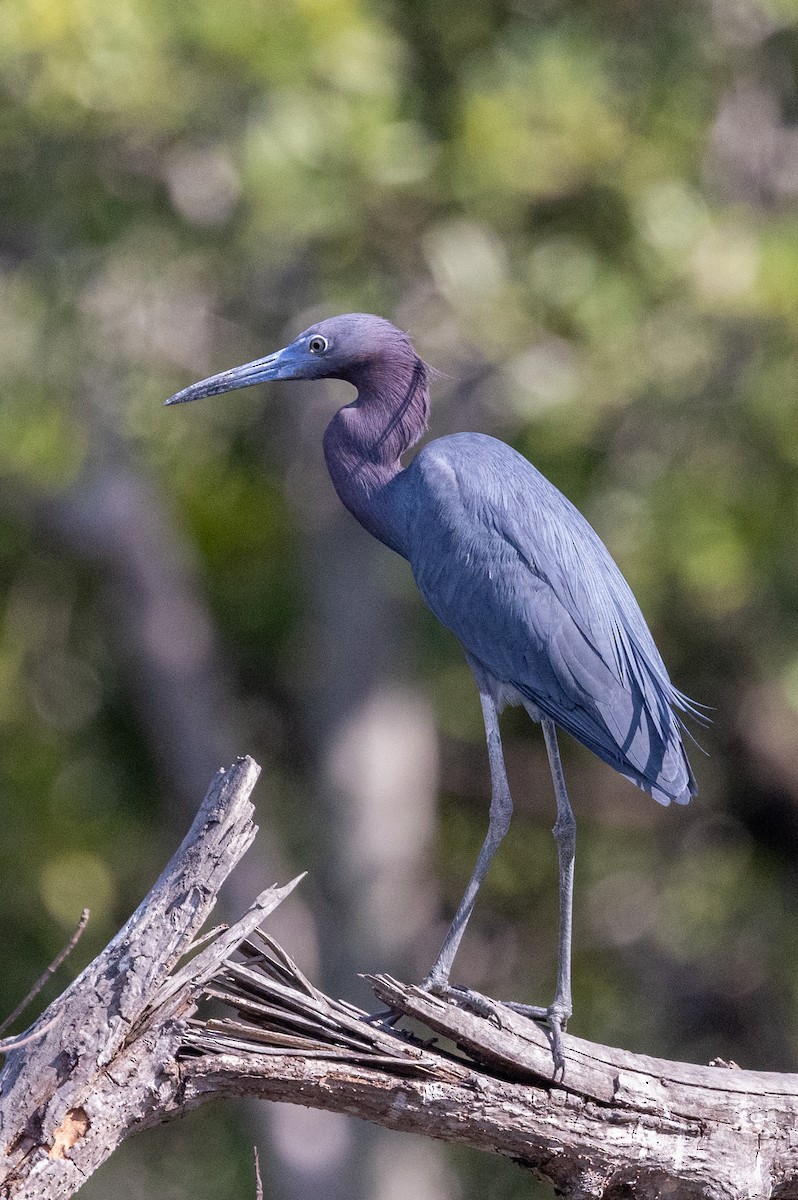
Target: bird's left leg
x: 558, y: 1012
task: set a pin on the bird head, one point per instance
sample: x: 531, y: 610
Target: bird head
x: 347, y: 347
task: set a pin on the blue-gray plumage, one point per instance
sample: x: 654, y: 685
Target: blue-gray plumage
x: 514, y: 571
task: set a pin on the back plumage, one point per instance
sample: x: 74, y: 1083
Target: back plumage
x: 516, y: 572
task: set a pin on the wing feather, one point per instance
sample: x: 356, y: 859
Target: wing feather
x: 513, y: 569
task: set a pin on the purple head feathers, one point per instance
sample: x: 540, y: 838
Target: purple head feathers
x: 364, y: 442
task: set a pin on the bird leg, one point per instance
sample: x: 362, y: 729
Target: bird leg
x: 501, y: 808
x: 558, y: 1012
x: 565, y: 836
x: 437, y: 981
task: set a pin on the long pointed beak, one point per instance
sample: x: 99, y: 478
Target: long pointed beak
x: 227, y: 381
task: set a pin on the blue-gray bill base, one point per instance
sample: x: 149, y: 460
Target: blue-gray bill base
x: 508, y: 564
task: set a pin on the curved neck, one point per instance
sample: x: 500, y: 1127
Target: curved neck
x: 364, y: 442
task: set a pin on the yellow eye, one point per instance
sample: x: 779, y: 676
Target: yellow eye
x: 317, y: 344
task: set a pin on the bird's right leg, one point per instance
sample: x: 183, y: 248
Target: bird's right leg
x: 557, y: 1014
x: 501, y: 808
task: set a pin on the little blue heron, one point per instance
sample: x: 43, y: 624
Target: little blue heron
x: 515, y: 572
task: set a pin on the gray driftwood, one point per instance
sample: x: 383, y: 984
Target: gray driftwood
x: 127, y: 1046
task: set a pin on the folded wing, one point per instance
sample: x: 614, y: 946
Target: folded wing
x: 507, y: 563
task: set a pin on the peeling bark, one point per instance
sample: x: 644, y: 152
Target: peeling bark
x: 127, y: 1047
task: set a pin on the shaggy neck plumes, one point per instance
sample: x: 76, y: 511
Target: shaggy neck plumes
x: 364, y: 442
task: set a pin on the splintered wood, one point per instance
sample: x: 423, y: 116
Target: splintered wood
x: 167, y: 1018
x: 280, y: 1012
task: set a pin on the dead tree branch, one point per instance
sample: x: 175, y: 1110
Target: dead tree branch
x: 127, y: 1046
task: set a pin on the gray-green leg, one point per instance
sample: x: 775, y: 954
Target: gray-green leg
x: 501, y: 808
x: 437, y: 981
x: 564, y: 831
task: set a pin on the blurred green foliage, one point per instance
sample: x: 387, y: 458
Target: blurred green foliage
x: 587, y: 216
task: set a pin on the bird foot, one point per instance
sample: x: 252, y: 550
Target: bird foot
x: 555, y: 1017
x: 387, y: 1017
x: 462, y: 997
x: 465, y: 998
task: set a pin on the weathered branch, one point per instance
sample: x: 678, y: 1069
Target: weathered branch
x: 127, y: 1047
x: 108, y: 1062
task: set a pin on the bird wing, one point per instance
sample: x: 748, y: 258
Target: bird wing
x: 507, y: 563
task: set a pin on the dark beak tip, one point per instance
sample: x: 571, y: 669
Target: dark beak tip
x: 229, y: 381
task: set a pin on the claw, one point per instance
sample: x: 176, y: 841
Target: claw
x: 465, y: 998
x: 557, y: 1052
x: 386, y: 1016
x: 555, y: 1019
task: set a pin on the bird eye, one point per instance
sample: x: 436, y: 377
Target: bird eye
x: 317, y: 344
